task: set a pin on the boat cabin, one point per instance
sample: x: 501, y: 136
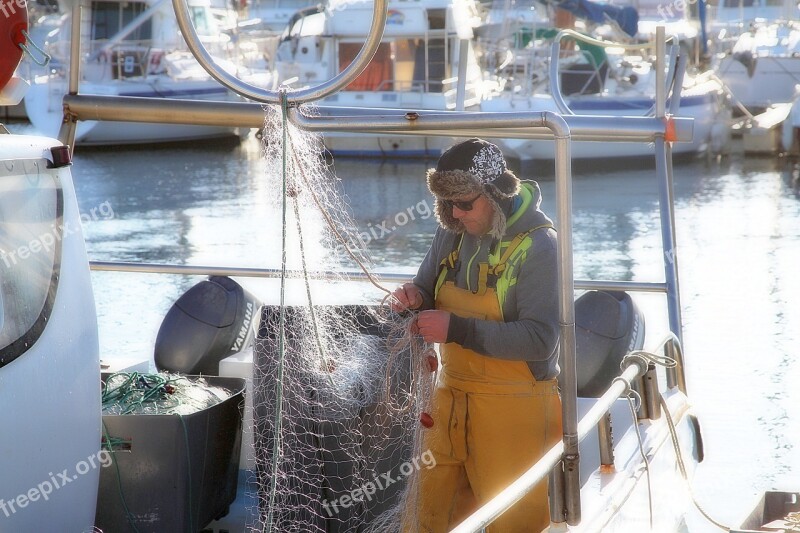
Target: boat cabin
x: 416, y: 65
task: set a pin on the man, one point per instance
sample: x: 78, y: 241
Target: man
x: 487, y: 293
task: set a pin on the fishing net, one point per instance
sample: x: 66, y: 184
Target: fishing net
x: 339, y: 390
x: 134, y: 393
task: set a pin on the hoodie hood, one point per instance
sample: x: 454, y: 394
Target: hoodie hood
x: 526, y: 212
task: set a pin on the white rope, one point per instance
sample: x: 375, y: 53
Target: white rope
x: 679, y: 456
x: 668, y: 362
x: 634, y: 402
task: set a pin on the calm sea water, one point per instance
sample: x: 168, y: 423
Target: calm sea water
x: 738, y: 243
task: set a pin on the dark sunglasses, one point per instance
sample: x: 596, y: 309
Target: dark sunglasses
x: 463, y: 205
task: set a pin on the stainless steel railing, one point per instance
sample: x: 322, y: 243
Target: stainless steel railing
x: 309, y: 94
x: 662, y: 87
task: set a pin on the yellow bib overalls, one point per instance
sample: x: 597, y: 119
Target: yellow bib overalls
x: 492, y: 421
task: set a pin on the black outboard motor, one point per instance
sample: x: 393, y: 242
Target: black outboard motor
x: 608, y: 325
x: 209, y: 322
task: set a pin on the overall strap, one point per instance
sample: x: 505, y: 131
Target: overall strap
x: 487, y: 275
x: 450, y: 265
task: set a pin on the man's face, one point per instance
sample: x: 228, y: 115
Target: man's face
x: 478, y: 220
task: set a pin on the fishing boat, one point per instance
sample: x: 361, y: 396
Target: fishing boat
x: 271, y: 16
x: 133, y: 49
x: 426, y: 49
x: 752, y: 47
x: 606, y: 79
x: 762, y: 66
x: 50, y: 370
x: 688, y: 23
x: 729, y: 18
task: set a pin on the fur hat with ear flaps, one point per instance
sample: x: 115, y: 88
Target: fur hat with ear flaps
x: 467, y: 169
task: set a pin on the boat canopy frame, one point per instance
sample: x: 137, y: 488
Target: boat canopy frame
x: 660, y: 130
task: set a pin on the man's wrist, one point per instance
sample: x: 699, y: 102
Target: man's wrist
x: 458, y: 329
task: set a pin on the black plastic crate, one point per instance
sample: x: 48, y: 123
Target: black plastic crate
x: 179, y: 473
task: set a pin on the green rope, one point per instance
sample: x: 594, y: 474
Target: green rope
x: 128, y: 514
x: 281, y: 327
x: 135, y: 390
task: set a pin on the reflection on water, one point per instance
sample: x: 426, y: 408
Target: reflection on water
x: 737, y: 236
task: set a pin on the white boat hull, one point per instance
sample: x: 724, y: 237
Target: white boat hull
x: 619, y: 501
x: 385, y: 146
x: 44, y: 107
x: 50, y: 393
x: 704, y: 108
x: 772, y: 81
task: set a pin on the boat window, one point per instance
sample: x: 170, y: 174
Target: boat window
x: 404, y: 54
x: 403, y: 65
x: 739, y: 3
x: 30, y: 250
x: 110, y: 17
x: 200, y: 19
x: 378, y: 76
x: 429, y: 65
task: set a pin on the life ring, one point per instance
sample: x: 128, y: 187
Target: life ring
x: 13, y: 26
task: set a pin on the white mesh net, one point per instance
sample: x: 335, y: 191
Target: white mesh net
x: 339, y: 390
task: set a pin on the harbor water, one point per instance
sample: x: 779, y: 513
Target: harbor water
x: 737, y: 223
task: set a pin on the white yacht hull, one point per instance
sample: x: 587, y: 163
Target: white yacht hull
x: 619, y: 501
x: 50, y: 393
x: 703, y: 107
x: 44, y: 107
x: 772, y: 81
x: 385, y: 146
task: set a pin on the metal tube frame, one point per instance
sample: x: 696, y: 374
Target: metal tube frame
x: 309, y: 94
x: 651, y: 394
x: 201, y: 270
x: 660, y: 44
x: 524, y: 125
x: 69, y: 123
x: 676, y: 376
x: 605, y: 438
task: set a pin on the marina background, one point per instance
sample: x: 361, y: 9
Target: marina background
x: 738, y: 244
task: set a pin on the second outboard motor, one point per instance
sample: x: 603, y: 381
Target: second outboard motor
x: 608, y: 325
x: 209, y: 322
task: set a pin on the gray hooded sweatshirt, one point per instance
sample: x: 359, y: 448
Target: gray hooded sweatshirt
x: 530, y: 330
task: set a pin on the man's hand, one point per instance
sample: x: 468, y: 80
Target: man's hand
x: 405, y: 297
x: 433, y: 324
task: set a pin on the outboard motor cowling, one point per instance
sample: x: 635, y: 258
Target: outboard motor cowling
x: 608, y: 325
x: 209, y: 322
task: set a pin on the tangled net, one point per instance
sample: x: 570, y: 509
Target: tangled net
x: 341, y: 392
